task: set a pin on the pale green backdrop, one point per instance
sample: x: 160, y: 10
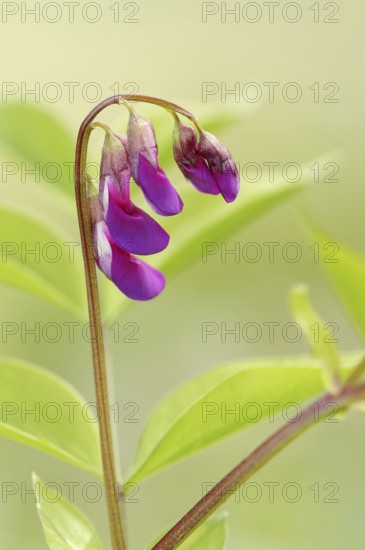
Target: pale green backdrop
x: 171, y: 53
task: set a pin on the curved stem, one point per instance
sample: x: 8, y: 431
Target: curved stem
x: 258, y: 458
x: 100, y: 378
x: 98, y: 354
x: 160, y: 102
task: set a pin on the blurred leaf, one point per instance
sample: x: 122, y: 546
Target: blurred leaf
x: 40, y: 261
x: 345, y: 269
x: 210, y: 225
x: 207, y: 220
x: 218, y: 118
x: 319, y: 336
x: 199, y: 413
x: 211, y: 535
x: 41, y: 140
x: 43, y: 411
x: 64, y: 526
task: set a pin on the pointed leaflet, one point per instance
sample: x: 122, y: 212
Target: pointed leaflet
x: 39, y: 140
x: 345, y: 270
x: 64, y: 526
x: 41, y: 261
x: 192, y: 417
x: 319, y: 336
x: 211, y: 535
x: 61, y: 425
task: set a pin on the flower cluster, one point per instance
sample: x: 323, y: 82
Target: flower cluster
x: 121, y: 229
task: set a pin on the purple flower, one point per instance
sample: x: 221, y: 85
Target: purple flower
x: 120, y: 228
x: 146, y: 172
x: 208, y: 165
x: 190, y: 161
x: 136, y: 279
x: 221, y: 165
x: 130, y: 227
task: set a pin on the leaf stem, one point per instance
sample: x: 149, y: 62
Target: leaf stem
x: 315, y: 412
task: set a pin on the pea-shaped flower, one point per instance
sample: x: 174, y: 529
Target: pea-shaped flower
x: 130, y: 227
x: 121, y: 229
x: 135, y: 278
x: 146, y: 172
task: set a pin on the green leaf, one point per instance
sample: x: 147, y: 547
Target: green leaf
x: 211, y: 535
x: 207, y: 219
x: 39, y: 139
x: 65, y: 526
x: 41, y: 261
x: 43, y: 411
x: 318, y: 335
x: 199, y: 413
x: 345, y: 270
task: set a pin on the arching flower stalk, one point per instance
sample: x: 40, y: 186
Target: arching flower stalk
x: 115, y: 232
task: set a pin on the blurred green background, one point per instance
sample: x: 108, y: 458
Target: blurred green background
x: 171, y: 53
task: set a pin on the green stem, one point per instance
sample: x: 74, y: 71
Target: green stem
x: 257, y: 459
x: 160, y: 103
x: 100, y: 377
x: 98, y: 353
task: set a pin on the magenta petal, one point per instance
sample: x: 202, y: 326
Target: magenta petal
x: 228, y: 181
x: 130, y: 227
x: 200, y: 176
x: 157, y: 189
x: 136, y: 279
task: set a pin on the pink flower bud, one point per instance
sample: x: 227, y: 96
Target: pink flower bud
x: 190, y: 161
x: 221, y: 165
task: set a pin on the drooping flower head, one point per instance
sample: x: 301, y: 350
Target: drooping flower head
x: 130, y: 227
x: 122, y: 230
